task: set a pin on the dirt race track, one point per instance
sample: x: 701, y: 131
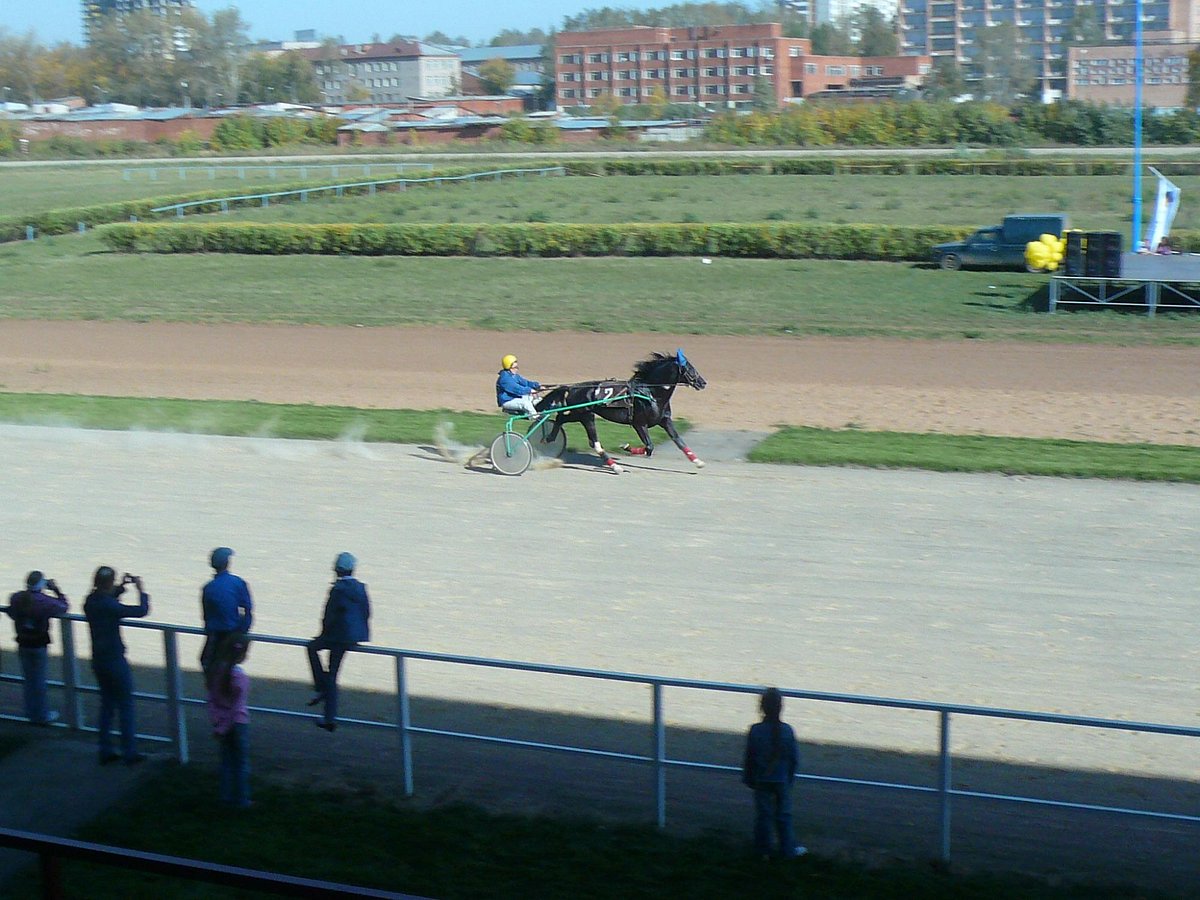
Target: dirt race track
x: 1044, y: 594
x: 1040, y: 390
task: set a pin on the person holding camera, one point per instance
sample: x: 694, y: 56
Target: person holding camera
x: 31, y: 611
x: 344, y: 624
x: 104, y: 612
x: 225, y: 604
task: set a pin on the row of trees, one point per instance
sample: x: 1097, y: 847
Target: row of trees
x: 154, y: 60
x: 924, y: 123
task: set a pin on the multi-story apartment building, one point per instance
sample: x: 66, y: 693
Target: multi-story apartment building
x: 951, y: 28
x: 717, y: 66
x: 386, y: 73
x: 1105, y: 74
x: 95, y: 10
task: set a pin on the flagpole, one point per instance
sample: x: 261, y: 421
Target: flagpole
x: 1137, y: 126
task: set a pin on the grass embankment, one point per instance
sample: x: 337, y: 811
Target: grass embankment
x: 70, y: 277
x: 797, y: 446
x: 979, y: 453
x: 465, y: 852
x: 1094, y: 202
x: 247, y: 418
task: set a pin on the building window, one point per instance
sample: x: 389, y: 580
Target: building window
x: 677, y: 54
x: 922, y: 69
x: 622, y: 57
x: 628, y: 92
x: 766, y: 70
x: 647, y: 92
x: 567, y: 76
x: 597, y: 57
x: 681, y: 90
x: 856, y: 70
x: 568, y: 93
x: 741, y: 88
x: 793, y: 52
x: 568, y: 59
x: 835, y: 70
x: 710, y: 53
x: 595, y: 92
x: 737, y: 52
x: 598, y: 76
x: 766, y: 52
x: 810, y: 68
x: 652, y: 73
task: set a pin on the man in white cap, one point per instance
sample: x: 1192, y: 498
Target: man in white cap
x: 344, y: 624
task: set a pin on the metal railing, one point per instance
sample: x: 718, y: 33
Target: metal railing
x: 183, y: 172
x: 371, y: 186
x: 174, y: 698
x: 52, y: 851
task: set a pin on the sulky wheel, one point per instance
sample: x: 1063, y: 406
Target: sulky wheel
x: 543, y: 444
x: 511, y: 453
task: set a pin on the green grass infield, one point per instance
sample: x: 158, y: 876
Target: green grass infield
x: 796, y: 446
x: 980, y: 453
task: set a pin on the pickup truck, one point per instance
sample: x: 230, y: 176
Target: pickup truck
x: 999, y: 245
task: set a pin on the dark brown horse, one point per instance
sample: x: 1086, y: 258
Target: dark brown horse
x: 641, y: 402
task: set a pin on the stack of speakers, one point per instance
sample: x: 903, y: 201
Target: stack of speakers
x: 1093, y: 254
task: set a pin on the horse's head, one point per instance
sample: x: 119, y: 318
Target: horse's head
x: 688, y: 374
x: 668, y: 370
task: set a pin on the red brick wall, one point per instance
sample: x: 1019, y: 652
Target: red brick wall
x: 118, y: 129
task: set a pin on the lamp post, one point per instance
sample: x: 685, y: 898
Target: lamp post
x: 1137, y: 124
x: 187, y: 101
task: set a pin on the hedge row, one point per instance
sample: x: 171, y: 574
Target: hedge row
x: 773, y: 240
x: 873, y: 166
x: 62, y: 221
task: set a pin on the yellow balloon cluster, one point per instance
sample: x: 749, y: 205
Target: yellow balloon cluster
x: 1045, y: 254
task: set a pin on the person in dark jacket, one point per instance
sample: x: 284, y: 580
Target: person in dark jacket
x: 514, y: 392
x: 225, y: 604
x: 104, y: 612
x: 31, y: 611
x: 769, y: 767
x: 345, y: 623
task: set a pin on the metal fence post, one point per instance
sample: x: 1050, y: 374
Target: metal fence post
x: 660, y: 757
x: 944, y: 785
x: 403, y: 723
x: 175, y: 695
x: 70, y: 667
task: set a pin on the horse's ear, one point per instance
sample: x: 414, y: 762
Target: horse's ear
x: 681, y: 359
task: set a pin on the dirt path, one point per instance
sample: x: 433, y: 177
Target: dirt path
x: 1040, y: 390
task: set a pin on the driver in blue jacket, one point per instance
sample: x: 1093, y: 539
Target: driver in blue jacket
x: 514, y: 393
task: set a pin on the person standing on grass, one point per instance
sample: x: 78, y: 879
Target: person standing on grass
x: 229, y: 714
x: 225, y: 604
x: 104, y: 612
x: 31, y: 611
x: 346, y: 622
x: 769, y: 768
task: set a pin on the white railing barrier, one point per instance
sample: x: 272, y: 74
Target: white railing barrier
x: 659, y: 761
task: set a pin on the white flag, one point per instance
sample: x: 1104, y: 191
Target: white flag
x: 1165, y: 207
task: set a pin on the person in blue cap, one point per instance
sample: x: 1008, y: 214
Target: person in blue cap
x: 225, y: 604
x: 344, y: 624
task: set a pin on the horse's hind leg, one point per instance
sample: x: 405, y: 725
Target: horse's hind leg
x: 589, y: 425
x: 647, y: 448
x: 669, y: 428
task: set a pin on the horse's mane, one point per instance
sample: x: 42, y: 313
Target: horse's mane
x: 646, y: 369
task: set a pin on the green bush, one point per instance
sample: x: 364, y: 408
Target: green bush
x: 755, y: 240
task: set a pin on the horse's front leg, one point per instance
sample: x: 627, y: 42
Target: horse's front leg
x: 647, y: 448
x: 669, y: 427
x: 589, y: 425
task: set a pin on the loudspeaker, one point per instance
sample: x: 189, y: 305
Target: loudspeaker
x: 1073, y: 257
x: 1111, y: 265
x: 1093, y: 256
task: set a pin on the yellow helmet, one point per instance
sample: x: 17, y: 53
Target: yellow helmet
x: 507, y: 361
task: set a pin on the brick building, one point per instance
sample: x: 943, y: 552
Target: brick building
x: 385, y: 73
x: 717, y: 66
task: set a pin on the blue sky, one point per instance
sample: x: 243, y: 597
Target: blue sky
x: 59, y: 20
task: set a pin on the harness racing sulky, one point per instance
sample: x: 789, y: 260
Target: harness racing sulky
x: 641, y: 402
